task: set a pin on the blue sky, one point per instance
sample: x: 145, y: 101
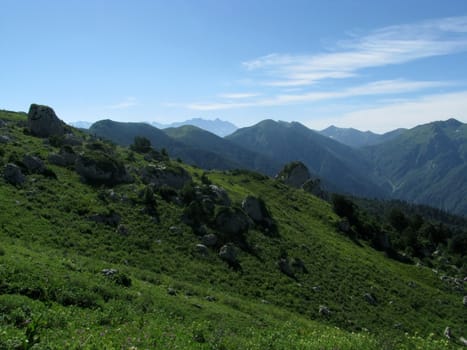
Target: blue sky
x: 369, y: 64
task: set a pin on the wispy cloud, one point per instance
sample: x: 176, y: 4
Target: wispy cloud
x: 382, y: 87
x: 385, y: 46
x: 239, y: 95
x: 126, y: 103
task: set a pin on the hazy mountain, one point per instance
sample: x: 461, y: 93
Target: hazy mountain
x: 81, y: 124
x: 217, y: 126
x: 198, y: 138
x: 191, y: 144
x: 356, y: 138
x: 426, y: 164
x: 342, y: 168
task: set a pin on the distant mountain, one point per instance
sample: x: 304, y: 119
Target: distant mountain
x: 191, y: 144
x: 341, y: 167
x: 81, y: 124
x: 219, y: 127
x: 356, y: 138
x: 198, y: 138
x: 426, y: 164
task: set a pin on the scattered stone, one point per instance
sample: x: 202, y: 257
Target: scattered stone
x: 122, y: 230
x: 43, y: 122
x: 175, y: 230
x: 324, y: 310
x: 33, y: 164
x: 285, y: 267
x: 109, y: 272
x: 210, y: 298
x: 219, y: 195
x: 110, y: 219
x: 464, y: 300
x: 202, y: 249
x: 447, y: 333
x: 344, y: 225
x: 370, y: 299
x: 5, y: 139
x: 13, y: 175
x: 171, y: 291
x: 228, y: 253
x: 209, y: 240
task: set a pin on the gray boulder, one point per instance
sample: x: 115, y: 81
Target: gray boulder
x: 294, y: 174
x: 464, y: 300
x: 219, y: 195
x: 4, y: 139
x: 43, y: 122
x: 228, y: 253
x: 285, y: 268
x: 232, y: 221
x: 209, y: 240
x: 13, y: 175
x: 33, y: 164
x: 161, y: 175
x: 202, y: 249
x: 253, y: 208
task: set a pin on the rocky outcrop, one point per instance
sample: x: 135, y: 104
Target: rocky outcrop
x: 161, y: 175
x: 294, y: 174
x: 13, y: 174
x: 253, y: 207
x: 98, y: 168
x: 232, y: 221
x: 43, y: 122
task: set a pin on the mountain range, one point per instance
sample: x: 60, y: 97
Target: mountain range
x: 217, y: 126
x: 426, y: 164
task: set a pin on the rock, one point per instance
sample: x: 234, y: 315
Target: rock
x: 171, y: 291
x: 109, y: 272
x: 344, y: 225
x: 232, y: 221
x: 370, y: 299
x: 202, y: 249
x: 253, y: 207
x: 5, y: 139
x: 464, y: 300
x: 72, y: 140
x: 219, y: 195
x: 2, y: 123
x: 121, y: 229
x: 316, y: 288
x: 294, y: 174
x: 33, y: 164
x: 57, y: 159
x: 285, y: 267
x: 313, y: 186
x: 110, y: 219
x: 324, y: 310
x: 209, y: 240
x: 229, y: 254
x: 43, y: 122
x: 210, y: 298
x: 175, y: 230
x: 447, y: 332
x: 99, y: 168
x: 160, y: 175
x: 463, y: 341
x: 13, y: 175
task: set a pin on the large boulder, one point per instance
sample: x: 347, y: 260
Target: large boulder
x: 162, y: 175
x: 294, y: 174
x: 219, y: 195
x: 43, y: 122
x: 253, y: 207
x: 229, y: 254
x: 33, y: 164
x: 13, y: 175
x: 99, y: 168
x: 232, y: 221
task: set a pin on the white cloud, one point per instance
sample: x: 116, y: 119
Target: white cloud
x: 126, y: 103
x: 400, y: 114
x: 239, y: 95
x: 386, y: 46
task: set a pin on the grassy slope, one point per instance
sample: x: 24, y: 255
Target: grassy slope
x: 51, y: 257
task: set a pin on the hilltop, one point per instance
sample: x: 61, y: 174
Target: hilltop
x: 105, y: 246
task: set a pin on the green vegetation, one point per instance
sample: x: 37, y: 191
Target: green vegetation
x: 118, y: 265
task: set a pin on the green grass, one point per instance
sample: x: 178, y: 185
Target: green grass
x: 53, y: 294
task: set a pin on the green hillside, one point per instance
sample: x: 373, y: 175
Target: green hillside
x: 341, y: 168
x: 426, y: 164
x: 105, y: 253
x: 356, y: 138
